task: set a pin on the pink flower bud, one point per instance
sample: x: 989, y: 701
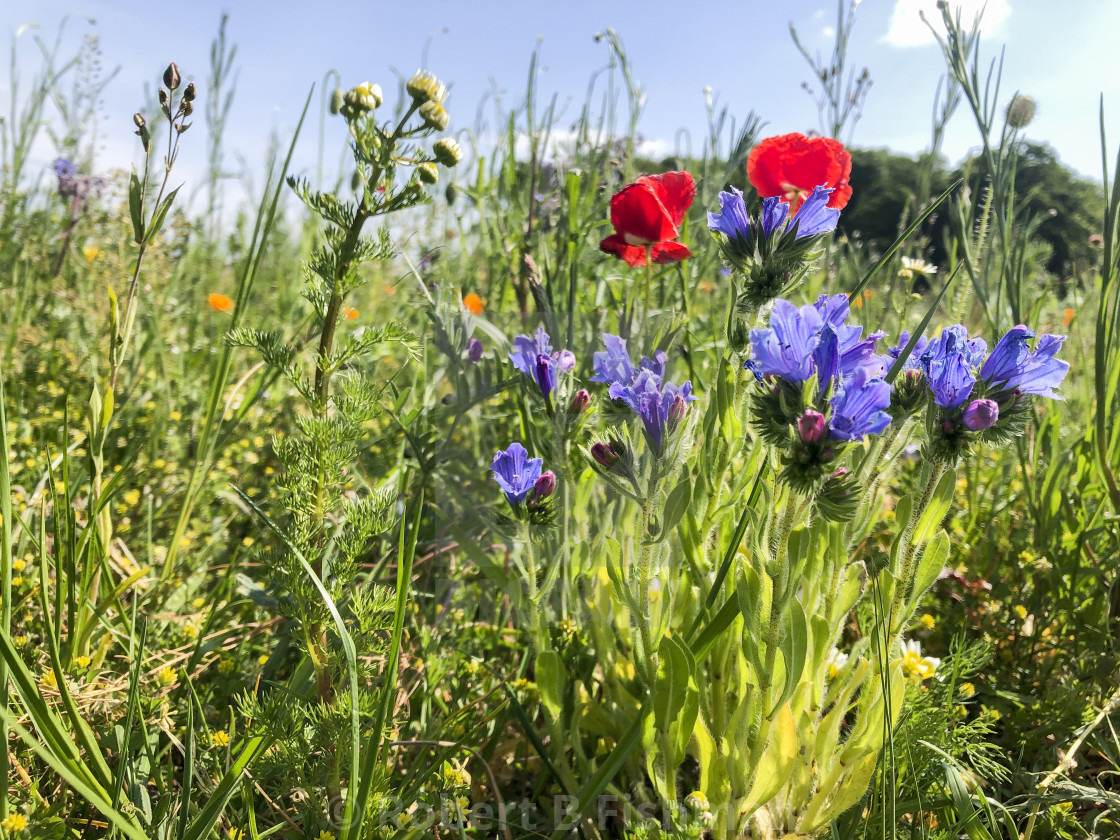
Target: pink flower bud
x: 604, y: 455
x: 678, y: 409
x: 980, y: 415
x: 811, y: 426
x: 580, y: 401
x: 544, y: 486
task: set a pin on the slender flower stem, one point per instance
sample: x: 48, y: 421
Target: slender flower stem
x: 909, y: 551
x: 644, y: 573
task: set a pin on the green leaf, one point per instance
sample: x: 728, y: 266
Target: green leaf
x: 136, y: 207
x: 158, y: 217
x: 934, y: 513
x: 794, y: 643
x: 550, y: 681
x: 675, y: 506
x: 675, y: 666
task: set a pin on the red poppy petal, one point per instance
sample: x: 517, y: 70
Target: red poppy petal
x: 635, y: 255
x: 676, y: 190
x: 638, y: 214
x: 669, y: 252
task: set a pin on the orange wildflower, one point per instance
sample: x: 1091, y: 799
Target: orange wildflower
x: 1067, y: 317
x: 350, y: 313
x: 220, y: 302
x: 473, y: 303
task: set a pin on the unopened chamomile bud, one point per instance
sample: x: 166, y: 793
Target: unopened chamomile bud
x: 425, y: 87
x: 447, y: 152
x: 427, y: 173
x: 171, y: 76
x: 336, y: 100
x: 434, y: 115
x: 1020, y: 111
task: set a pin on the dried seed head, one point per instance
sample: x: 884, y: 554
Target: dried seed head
x: 1020, y: 111
x: 447, y: 152
x: 189, y: 92
x: 171, y: 76
x: 163, y: 98
x: 435, y: 117
x: 138, y: 120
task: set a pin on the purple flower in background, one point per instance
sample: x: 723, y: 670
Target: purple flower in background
x: 614, y: 365
x: 73, y: 187
x: 913, y: 360
x: 950, y: 363
x: 534, y: 358
x: 515, y: 473
x: 1013, y: 366
x: 980, y: 415
x: 858, y: 407
x: 474, y: 350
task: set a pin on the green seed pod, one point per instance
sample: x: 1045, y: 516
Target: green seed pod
x: 336, y: 100
x: 447, y: 152
x: 171, y: 76
x: 451, y: 193
x: 435, y: 117
x: 427, y: 173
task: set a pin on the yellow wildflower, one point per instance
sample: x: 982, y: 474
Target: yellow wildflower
x: 219, y: 739
x: 14, y: 823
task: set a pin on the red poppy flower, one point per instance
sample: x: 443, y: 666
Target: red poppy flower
x: 648, y: 214
x: 792, y: 165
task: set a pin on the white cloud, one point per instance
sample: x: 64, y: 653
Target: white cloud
x: 907, y: 29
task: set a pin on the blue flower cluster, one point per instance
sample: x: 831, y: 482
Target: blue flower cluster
x: 956, y: 367
x: 535, y: 358
x: 814, y: 218
x: 521, y: 477
x: 643, y: 388
x: 816, y: 340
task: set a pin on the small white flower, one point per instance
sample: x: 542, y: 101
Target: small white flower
x: 837, y: 660
x: 916, y: 665
x: 912, y: 267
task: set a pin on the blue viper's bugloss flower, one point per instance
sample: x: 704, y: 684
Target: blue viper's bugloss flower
x: 814, y: 338
x: 515, y: 473
x: 651, y: 399
x: 1013, y: 366
x: 815, y: 216
x: 859, y: 407
x: 64, y: 168
x: 614, y: 365
x: 534, y: 358
x: 950, y: 362
x: 913, y: 360
x: 642, y: 388
x: 733, y: 221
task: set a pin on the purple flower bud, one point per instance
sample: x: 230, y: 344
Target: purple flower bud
x: 604, y: 455
x: 544, y: 375
x: 566, y: 360
x: 840, y: 473
x: 811, y: 426
x: 474, y: 350
x: 544, y: 486
x: 980, y: 415
x: 580, y: 401
x: 678, y: 408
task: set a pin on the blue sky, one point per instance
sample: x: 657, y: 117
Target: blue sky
x: 742, y: 50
